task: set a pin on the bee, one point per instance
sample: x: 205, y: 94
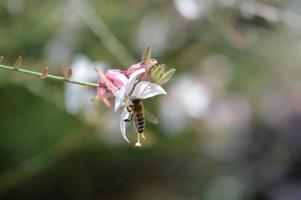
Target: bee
x: 138, y: 115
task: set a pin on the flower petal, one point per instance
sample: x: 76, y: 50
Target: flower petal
x: 100, y: 91
x: 119, y: 98
x: 124, y: 115
x: 130, y: 84
x: 117, y: 77
x: 146, y: 89
x: 134, y: 68
x: 106, y: 81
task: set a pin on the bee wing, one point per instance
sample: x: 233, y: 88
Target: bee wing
x: 150, y: 117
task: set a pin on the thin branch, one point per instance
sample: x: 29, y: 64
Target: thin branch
x: 48, y: 76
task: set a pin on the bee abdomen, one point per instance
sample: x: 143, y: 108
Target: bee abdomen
x: 140, y: 123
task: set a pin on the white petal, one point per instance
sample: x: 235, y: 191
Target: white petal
x: 146, y: 89
x: 119, y: 99
x: 137, y: 72
x: 130, y: 84
x: 124, y: 115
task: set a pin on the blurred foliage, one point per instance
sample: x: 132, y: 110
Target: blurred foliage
x: 230, y: 124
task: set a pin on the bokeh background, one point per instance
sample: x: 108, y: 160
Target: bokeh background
x: 230, y: 126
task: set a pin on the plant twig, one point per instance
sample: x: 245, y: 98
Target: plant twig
x: 49, y: 76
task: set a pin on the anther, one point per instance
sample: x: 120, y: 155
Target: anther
x: 18, y: 63
x: 1, y: 59
x: 45, y: 73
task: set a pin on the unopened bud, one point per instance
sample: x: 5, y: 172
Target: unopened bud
x: 166, y: 76
x: 159, y: 76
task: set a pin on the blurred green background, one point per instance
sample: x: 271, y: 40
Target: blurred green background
x: 230, y: 126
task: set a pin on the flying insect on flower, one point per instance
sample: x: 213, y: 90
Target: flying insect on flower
x: 126, y: 97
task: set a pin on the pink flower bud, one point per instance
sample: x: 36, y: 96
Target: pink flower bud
x: 147, y: 65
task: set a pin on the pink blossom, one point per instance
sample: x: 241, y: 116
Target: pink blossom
x: 115, y: 79
x: 109, y: 84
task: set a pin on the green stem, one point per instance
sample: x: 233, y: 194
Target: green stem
x: 59, y: 78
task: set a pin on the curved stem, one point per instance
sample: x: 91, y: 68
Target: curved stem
x: 39, y: 74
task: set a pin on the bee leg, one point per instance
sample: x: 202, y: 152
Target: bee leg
x: 143, y: 137
x: 129, y: 108
x: 130, y: 119
x: 138, y: 144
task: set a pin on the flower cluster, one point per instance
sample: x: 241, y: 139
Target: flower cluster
x: 139, y: 81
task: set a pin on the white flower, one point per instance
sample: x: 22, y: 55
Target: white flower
x: 140, y: 90
x: 78, y: 98
x: 189, y: 98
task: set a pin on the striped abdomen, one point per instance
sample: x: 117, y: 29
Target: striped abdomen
x: 139, y: 122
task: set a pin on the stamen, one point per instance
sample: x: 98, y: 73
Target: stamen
x: 138, y: 144
x: 107, y: 82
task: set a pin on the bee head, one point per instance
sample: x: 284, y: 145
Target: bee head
x: 135, y: 100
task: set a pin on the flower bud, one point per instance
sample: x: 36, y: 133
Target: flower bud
x: 159, y: 76
x: 166, y: 76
